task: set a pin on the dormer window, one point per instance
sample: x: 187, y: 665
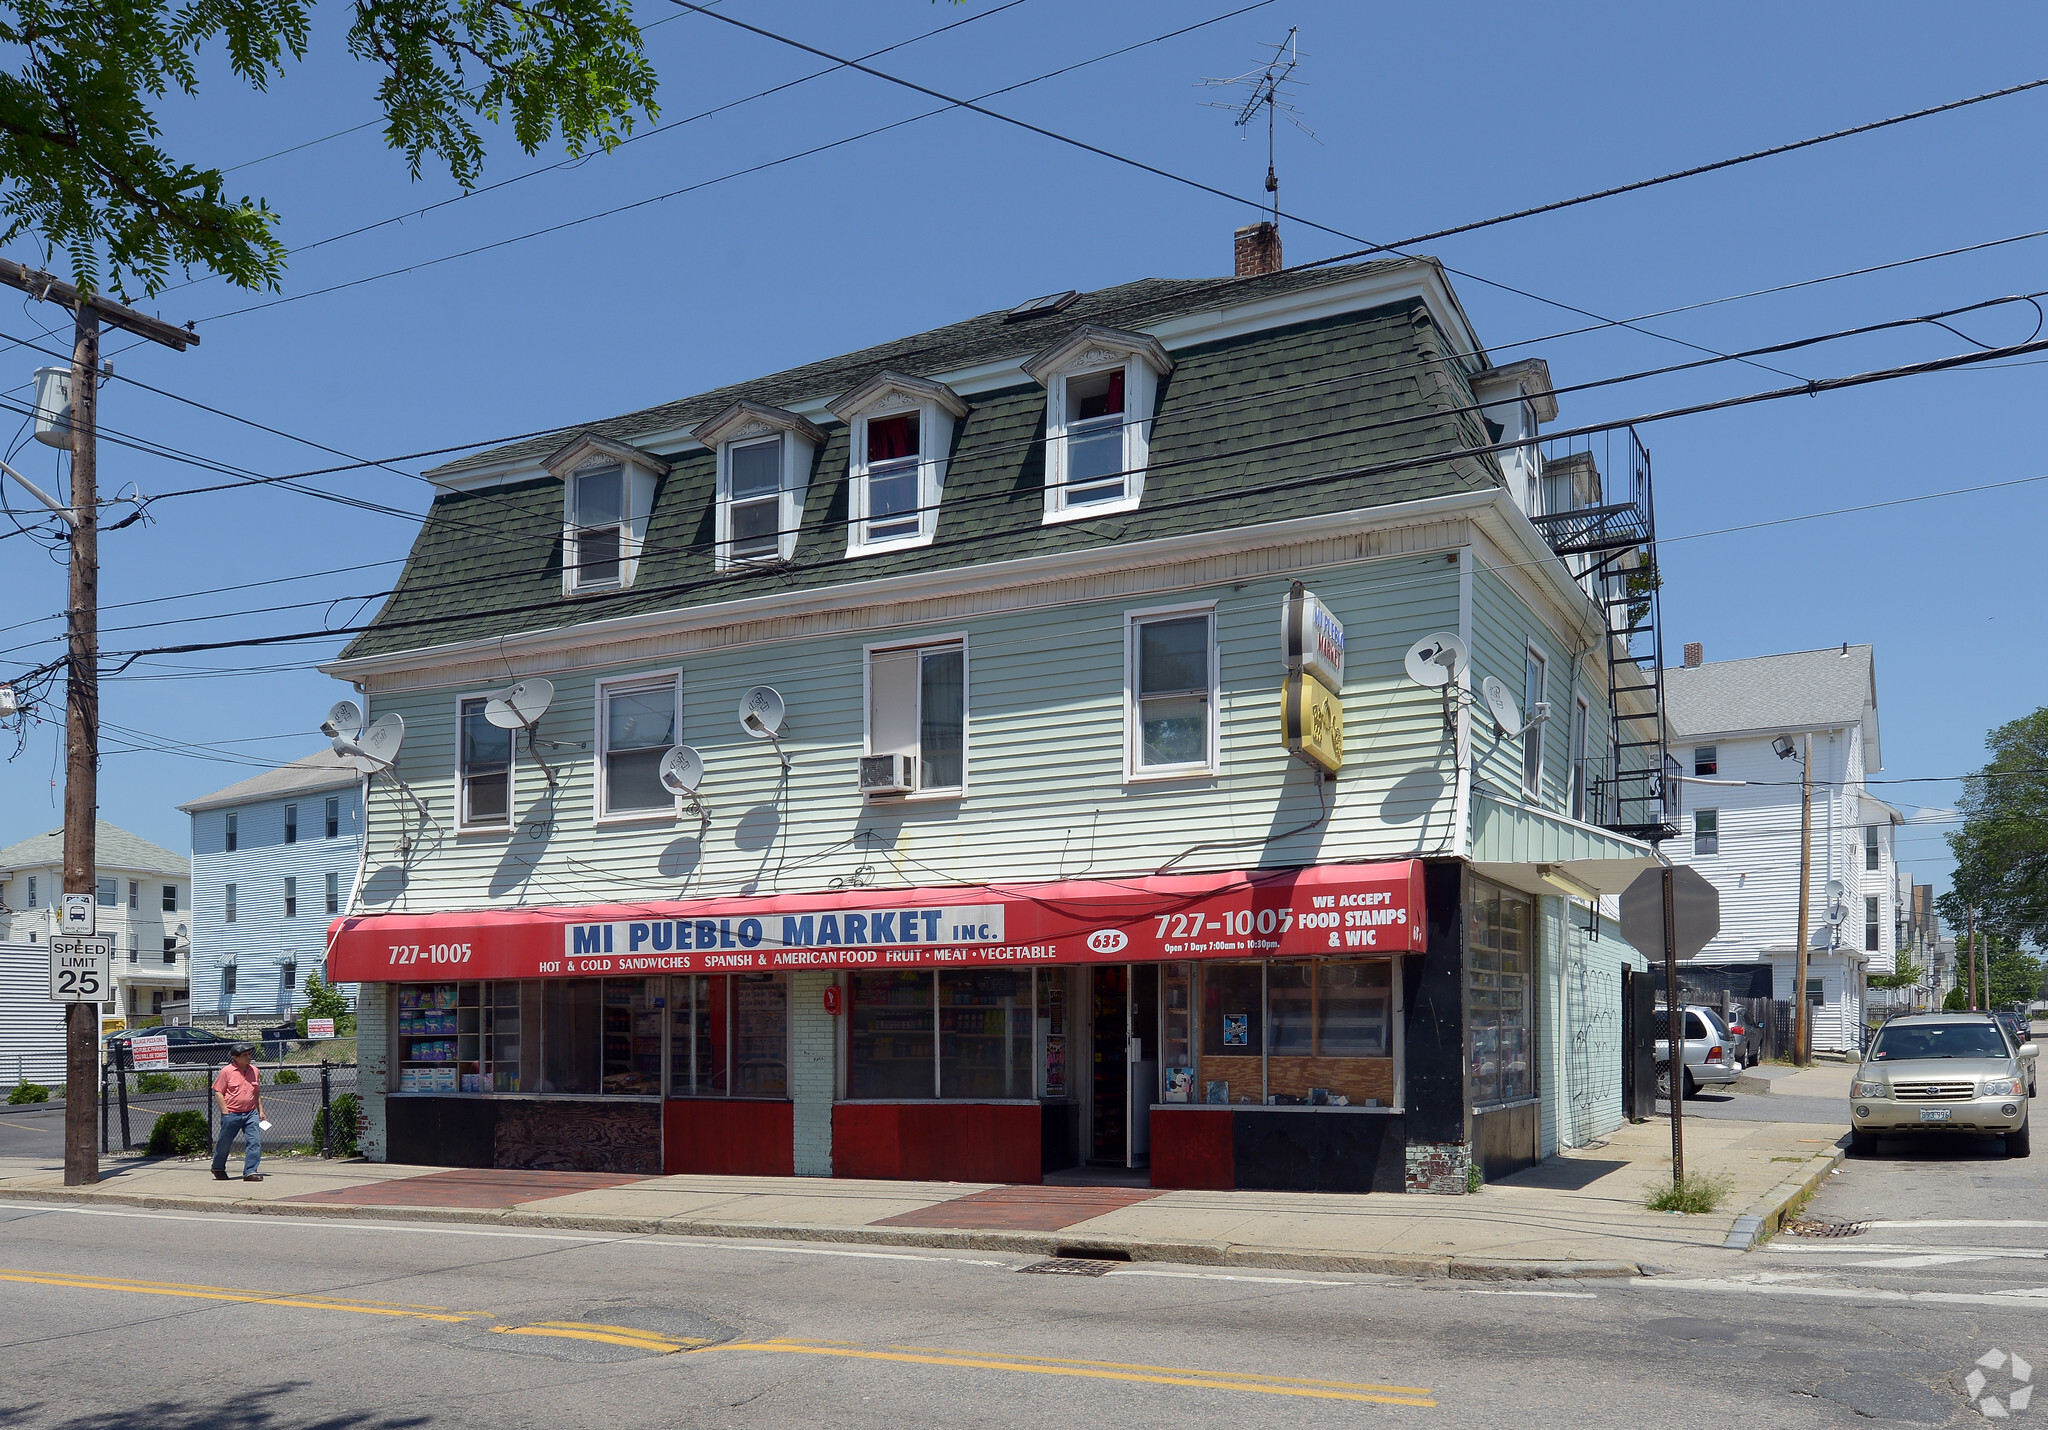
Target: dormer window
x: 1101, y: 386
x: 597, y: 528
x: 764, y: 468
x: 607, y: 496
x: 756, y: 499
x: 1095, y: 437
x: 901, y: 430
x: 893, y: 461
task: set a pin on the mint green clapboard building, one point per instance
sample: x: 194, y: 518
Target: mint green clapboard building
x: 992, y: 617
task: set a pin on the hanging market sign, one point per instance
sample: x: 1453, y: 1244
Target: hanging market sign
x: 1311, y: 639
x: 1312, y: 722
x: 1340, y: 908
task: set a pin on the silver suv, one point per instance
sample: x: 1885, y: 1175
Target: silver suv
x: 1942, y: 1072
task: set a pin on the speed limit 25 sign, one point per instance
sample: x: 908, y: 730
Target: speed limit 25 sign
x: 81, y: 969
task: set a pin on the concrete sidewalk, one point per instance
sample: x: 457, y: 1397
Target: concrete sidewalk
x: 1578, y: 1214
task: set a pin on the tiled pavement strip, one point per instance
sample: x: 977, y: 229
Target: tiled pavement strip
x: 1577, y: 1214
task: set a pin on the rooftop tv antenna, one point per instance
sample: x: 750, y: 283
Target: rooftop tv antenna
x: 519, y: 708
x: 1269, y: 87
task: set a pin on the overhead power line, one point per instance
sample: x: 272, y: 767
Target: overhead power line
x: 766, y: 164
x: 1291, y: 484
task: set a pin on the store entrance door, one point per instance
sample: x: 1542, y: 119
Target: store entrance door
x: 1124, y: 1063
x: 1109, y: 1103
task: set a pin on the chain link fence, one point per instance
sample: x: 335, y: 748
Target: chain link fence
x: 313, y: 1109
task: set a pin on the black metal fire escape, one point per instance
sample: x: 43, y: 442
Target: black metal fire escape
x: 1611, y: 546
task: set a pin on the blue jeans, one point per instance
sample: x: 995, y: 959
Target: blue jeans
x: 252, y: 1141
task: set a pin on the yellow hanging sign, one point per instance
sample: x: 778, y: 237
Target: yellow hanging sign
x: 1312, y: 722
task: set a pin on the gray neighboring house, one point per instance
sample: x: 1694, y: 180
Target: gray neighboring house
x: 274, y: 862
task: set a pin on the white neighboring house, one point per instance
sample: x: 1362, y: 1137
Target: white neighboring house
x: 1724, y: 720
x: 144, y: 901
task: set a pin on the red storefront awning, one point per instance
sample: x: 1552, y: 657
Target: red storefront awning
x: 1329, y: 909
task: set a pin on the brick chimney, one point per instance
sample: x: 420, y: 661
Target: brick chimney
x: 1258, y: 249
x: 1695, y: 654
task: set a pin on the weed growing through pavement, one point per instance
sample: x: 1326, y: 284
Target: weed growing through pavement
x: 1695, y: 1194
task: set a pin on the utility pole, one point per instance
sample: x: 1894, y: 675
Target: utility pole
x: 1802, y: 1034
x: 82, y: 671
x: 1970, y: 952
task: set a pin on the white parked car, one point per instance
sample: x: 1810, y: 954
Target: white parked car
x: 1711, y: 1055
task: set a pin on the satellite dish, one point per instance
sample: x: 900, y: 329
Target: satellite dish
x: 346, y: 718
x: 682, y: 770
x: 522, y: 705
x: 761, y: 712
x: 377, y: 750
x: 1506, y: 714
x: 1437, y: 660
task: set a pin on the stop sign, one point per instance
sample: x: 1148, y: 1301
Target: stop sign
x: 1696, y: 909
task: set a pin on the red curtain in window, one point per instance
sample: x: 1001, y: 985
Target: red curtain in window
x: 893, y: 437
x: 1104, y: 404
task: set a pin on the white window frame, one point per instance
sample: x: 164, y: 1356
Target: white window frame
x: 785, y: 519
x: 333, y: 892
x: 291, y: 896
x: 1135, y: 772
x: 600, y: 802
x: 1698, y: 851
x: 463, y: 824
x: 573, y: 577
x: 1532, y: 755
x: 947, y: 641
x: 1137, y: 428
x: 1581, y: 737
x: 934, y: 429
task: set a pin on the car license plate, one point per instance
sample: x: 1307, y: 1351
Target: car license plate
x: 1934, y: 1114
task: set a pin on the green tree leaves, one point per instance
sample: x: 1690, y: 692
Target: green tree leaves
x: 82, y: 170
x: 2002, y: 849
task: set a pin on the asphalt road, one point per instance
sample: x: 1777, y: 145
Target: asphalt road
x: 119, y: 1317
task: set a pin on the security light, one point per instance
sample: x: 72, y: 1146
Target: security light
x: 1784, y: 747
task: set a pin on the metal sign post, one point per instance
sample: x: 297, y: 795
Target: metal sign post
x: 1674, y: 909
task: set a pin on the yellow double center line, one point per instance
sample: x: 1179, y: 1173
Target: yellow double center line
x: 87, y: 1282
x: 661, y: 1343
x: 1243, y: 1381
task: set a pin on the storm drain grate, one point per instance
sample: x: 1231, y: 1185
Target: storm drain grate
x: 1069, y: 1266
x: 1804, y: 1226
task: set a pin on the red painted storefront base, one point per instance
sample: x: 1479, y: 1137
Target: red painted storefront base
x: 736, y: 1137
x: 936, y: 1141
x: 1193, y: 1149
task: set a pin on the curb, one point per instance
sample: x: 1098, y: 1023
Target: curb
x: 1025, y: 1243
x: 1767, y: 1213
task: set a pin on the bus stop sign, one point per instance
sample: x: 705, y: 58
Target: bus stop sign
x: 1697, y: 912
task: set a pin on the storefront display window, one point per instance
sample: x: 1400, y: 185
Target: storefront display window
x: 729, y: 1035
x: 889, y: 1036
x: 965, y: 1035
x: 1500, y: 927
x: 985, y: 1034
x: 632, y: 1037
x: 1176, y: 1032
x: 1286, y: 1033
x: 585, y: 1036
x: 1052, y: 1023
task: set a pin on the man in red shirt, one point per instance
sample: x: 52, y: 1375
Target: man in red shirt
x: 238, y: 1093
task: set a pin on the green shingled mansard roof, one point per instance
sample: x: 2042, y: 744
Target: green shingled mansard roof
x: 488, y: 563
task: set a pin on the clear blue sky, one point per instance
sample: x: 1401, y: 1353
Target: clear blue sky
x: 1423, y: 120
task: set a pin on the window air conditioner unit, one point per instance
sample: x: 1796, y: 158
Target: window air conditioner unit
x: 887, y: 774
